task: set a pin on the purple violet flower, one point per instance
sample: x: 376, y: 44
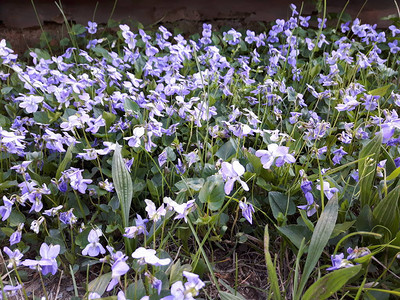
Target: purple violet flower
x: 231, y: 173
x: 94, y: 247
x: 148, y: 256
x: 48, y: 263
x: 247, y: 211
x: 339, y: 262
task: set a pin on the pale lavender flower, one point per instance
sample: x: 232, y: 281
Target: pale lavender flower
x: 30, y: 102
x: 14, y: 257
x: 68, y: 217
x: 181, y: 209
x: 339, y: 262
x: 280, y: 153
x: 155, y: 283
x: 162, y: 158
x: 48, y: 263
x: 247, y: 211
x: 148, y: 256
x: 52, y: 211
x: 35, y: 225
x: 94, y: 295
x: 105, y: 185
x: 357, y: 252
x: 180, y: 167
x: 154, y: 214
x: 339, y: 153
x: 119, y: 268
x: 94, y: 247
x: 16, y: 236
x: 92, y: 27
x: 10, y: 290
x: 231, y: 172
x: 189, y: 290
x: 21, y: 168
x: 191, y: 158
x: 139, y: 228
x: 134, y: 140
x: 5, y: 210
x: 328, y: 191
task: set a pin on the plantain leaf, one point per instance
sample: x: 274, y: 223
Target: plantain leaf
x: 123, y: 184
x: 367, y: 168
x: 329, y: 284
x: 99, y: 284
x: 386, y: 212
x: 320, y: 238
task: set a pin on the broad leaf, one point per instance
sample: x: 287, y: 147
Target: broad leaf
x: 213, y: 192
x: 281, y: 203
x: 227, y: 150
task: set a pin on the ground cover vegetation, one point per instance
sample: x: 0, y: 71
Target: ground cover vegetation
x: 132, y: 156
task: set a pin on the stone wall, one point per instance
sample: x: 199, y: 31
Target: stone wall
x: 20, y: 26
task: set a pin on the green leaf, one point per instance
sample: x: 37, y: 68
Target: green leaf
x: 65, y: 161
x: 16, y: 218
x: 227, y: 150
x: 394, y: 174
x: 341, y: 228
x: 123, y: 184
x: 8, y: 184
x: 319, y: 239
x: 228, y: 296
x: 386, y: 212
x: 367, y: 168
x: 191, y: 183
x: 380, y: 91
x: 99, y: 284
x: 326, y: 286
x: 109, y: 118
x: 295, y: 233
x: 213, y: 192
x: 281, y: 203
x: 6, y: 90
x: 82, y: 238
x: 272, y: 275
x: 78, y: 29
x: 41, y: 117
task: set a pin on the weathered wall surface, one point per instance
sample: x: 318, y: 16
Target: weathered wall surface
x: 19, y: 24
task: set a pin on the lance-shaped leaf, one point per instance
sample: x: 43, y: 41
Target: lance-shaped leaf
x: 331, y: 283
x: 319, y: 239
x: 386, y: 212
x: 123, y: 184
x: 367, y: 168
x: 65, y: 161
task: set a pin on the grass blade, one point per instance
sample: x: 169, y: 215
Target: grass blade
x: 272, y: 276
